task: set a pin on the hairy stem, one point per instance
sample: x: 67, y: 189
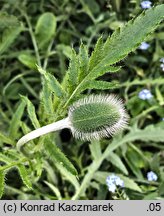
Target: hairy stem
x: 64, y: 123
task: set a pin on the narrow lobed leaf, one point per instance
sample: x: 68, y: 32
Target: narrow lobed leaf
x: 102, y: 85
x: 46, y: 98
x: 58, y: 156
x: 31, y: 112
x: 97, y: 54
x: 52, y: 83
x: 73, y: 70
x: 16, y: 120
x: 150, y: 133
x: 24, y: 175
x: 68, y: 175
x: 97, y: 72
x: 129, y: 37
x: 117, y: 162
x: 2, y: 183
x: 83, y: 61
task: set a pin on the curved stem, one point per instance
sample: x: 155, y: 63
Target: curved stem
x: 64, y: 123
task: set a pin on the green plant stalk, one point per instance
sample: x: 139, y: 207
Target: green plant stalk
x: 28, y: 87
x: 33, y: 40
x: 47, y: 55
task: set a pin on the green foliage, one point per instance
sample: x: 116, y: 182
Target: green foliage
x: 73, y: 71
x: 8, y: 21
x: 28, y: 60
x: 11, y: 28
x: 150, y: 133
x: 95, y: 149
x: 53, y: 84
x: 46, y: 98
x: 57, y: 155
x: 2, y: 182
x: 116, y: 161
x: 31, y: 112
x: 61, y: 167
x: 6, y: 139
x: 68, y: 175
x: 24, y: 175
x: 100, y: 85
x: 97, y: 54
x: 55, y: 190
x: 112, y: 51
x: 118, y: 44
x: 16, y: 120
x: 4, y: 158
x: 45, y: 29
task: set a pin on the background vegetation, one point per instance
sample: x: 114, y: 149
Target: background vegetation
x: 43, y: 33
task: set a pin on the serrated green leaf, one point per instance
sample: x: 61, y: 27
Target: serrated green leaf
x: 68, y: 175
x: 97, y: 54
x: 4, y: 138
x: 28, y: 60
x: 83, y: 61
x: 45, y: 29
x: 52, y: 83
x: 120, y: 44
x: 92, y: 84
x: 46, y: 98
x: 129, y: 37
x: 8, y: 37
x: 73, y: 70
x: 116, y: 161
x: 58, y: 156
x: 16, y: 120
x: 89, y: 83
x: 31, y: 112
x: 24, y: 175
x: 2, y: 183
x: 97, y: 72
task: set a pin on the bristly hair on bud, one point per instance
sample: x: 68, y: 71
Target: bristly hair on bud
x: 93, y: 117
x: 97, y: 116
